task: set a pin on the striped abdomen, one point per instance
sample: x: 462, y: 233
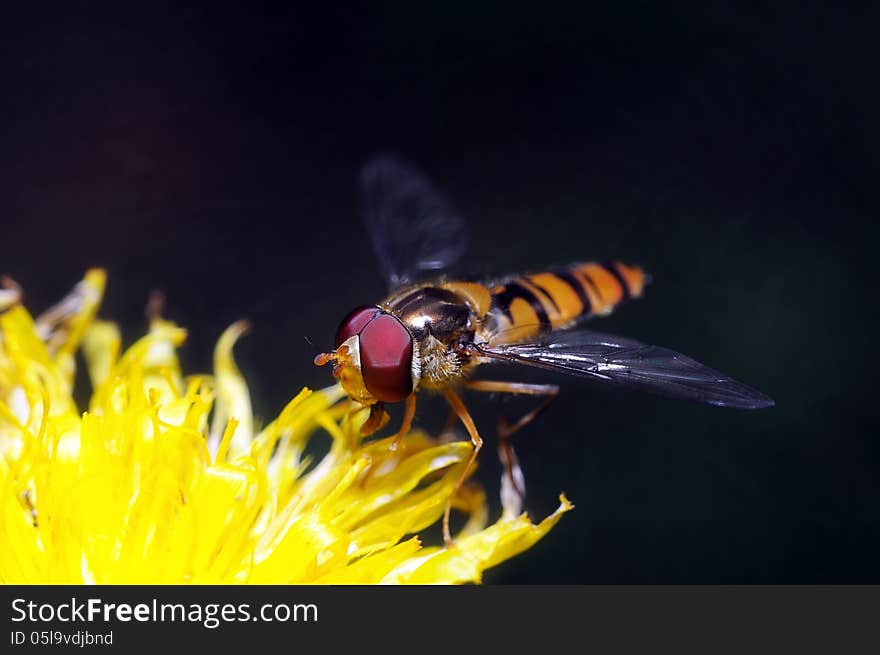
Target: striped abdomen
x: 527, y: 305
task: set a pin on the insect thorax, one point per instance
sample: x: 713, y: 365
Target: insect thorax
x: 439, y: 321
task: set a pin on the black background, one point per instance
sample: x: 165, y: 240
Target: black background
x: 729, y: 150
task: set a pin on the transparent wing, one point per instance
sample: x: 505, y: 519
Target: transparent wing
x: 413, y: 228
x: 631, y: 364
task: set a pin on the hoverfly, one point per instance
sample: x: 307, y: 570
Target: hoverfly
x: 432, y: 333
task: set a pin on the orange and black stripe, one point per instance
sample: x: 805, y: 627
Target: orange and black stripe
x: 557, y: 298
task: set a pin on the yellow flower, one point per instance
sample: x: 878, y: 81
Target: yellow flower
x: 166, y: 480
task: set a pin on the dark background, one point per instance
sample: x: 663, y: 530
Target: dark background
x: 730, y: 151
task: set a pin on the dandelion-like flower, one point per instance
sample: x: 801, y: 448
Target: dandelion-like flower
x: 164, y: 478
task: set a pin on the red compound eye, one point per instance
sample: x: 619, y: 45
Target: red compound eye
x: 355, y: 322
x: 386, y: 358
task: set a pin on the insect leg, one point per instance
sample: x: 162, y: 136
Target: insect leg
x: 409, y: 412
x: 513, y: 485
x: 377, y: 419
x: 455, y: 402
x: 450, y: 422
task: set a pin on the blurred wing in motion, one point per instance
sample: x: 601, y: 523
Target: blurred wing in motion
x: 631, y: 364
x: 412, y: 226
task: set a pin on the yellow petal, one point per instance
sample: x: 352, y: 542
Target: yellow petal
x: 233, y: 399
x: 470, y: 556
x: 129, y: 492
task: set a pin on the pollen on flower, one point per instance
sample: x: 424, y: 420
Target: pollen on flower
x: 164, y: 478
